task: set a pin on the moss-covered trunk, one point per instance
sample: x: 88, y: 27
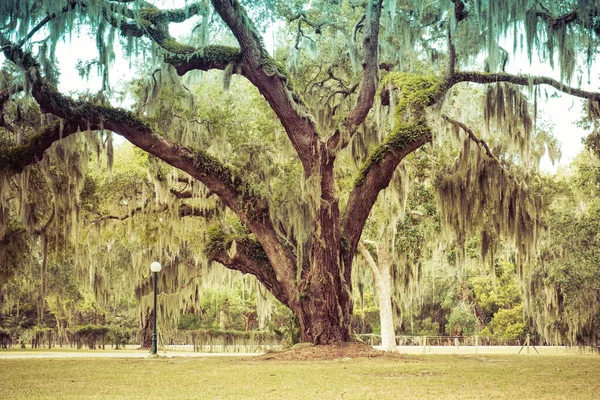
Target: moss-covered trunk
x: 325, y: 304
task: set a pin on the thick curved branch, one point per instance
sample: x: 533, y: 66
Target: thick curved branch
x: 253, y: 62
x: 375, y: 175
x: 210, y: 57
x: 243, y: 29
x: 370, y: 80
x: 272, y: 80
x: 241, y: 255
x: 522, y: 80
x: 13, y: 159
x: 153, y: 22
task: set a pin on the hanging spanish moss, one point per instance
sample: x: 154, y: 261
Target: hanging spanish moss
x: 507, y: 113
x: 478, y: 195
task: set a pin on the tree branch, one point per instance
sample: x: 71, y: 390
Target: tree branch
x: 375, y: 175
x: 451, y: 52
x: 5, y: 95
x: 370, y: 80
x: 210, y: 57
x: 522, y: 80
x: 153, y: 22
x: 48, y: 18
x: 242, y: 255
x: 370, y: 261
x: 184, y: 210
x: 573, y: 16
x: 480, y: 142
x: 459, y: 10
x: 14, y: 158
x: 271, y: 79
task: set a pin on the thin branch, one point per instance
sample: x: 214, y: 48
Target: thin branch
x: 345, y: 93
x: 48, y: 18
x: 182, y: 194
x: 130, y: 214
x: 302, y: 17
x: 42, y: 229
x: 482, y: 144
x: 451, y: 52
x: 313, y: 79
x: 184, y: 210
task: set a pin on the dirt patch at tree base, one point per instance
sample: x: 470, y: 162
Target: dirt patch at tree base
x: 308, y: 351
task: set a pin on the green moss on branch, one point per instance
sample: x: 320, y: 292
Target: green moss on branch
x: 211, y: 166
x: 219, y: 243
x: 404, y: 135
x: 221, y: 54
x: 214, y: 56
x: 416, y: 93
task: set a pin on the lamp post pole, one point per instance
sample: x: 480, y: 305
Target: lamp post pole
x: 155, y: 267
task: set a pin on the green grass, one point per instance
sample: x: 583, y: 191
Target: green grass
x: 409, y: 377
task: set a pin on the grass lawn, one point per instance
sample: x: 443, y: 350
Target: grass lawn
x: 408, y: 377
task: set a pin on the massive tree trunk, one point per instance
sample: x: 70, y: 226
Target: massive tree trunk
x: 325, y: 301
x: 324, y: 313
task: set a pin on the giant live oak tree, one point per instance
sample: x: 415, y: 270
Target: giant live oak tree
x: 308, y: 268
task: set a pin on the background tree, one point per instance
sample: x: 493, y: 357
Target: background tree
x: 564, y: 287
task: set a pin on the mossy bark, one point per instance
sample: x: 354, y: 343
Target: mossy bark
x: 325, y: 289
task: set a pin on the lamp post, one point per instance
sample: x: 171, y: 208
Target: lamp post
x: 154, y: 267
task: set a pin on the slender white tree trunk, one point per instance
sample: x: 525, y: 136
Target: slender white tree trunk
x: 382, y: 279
